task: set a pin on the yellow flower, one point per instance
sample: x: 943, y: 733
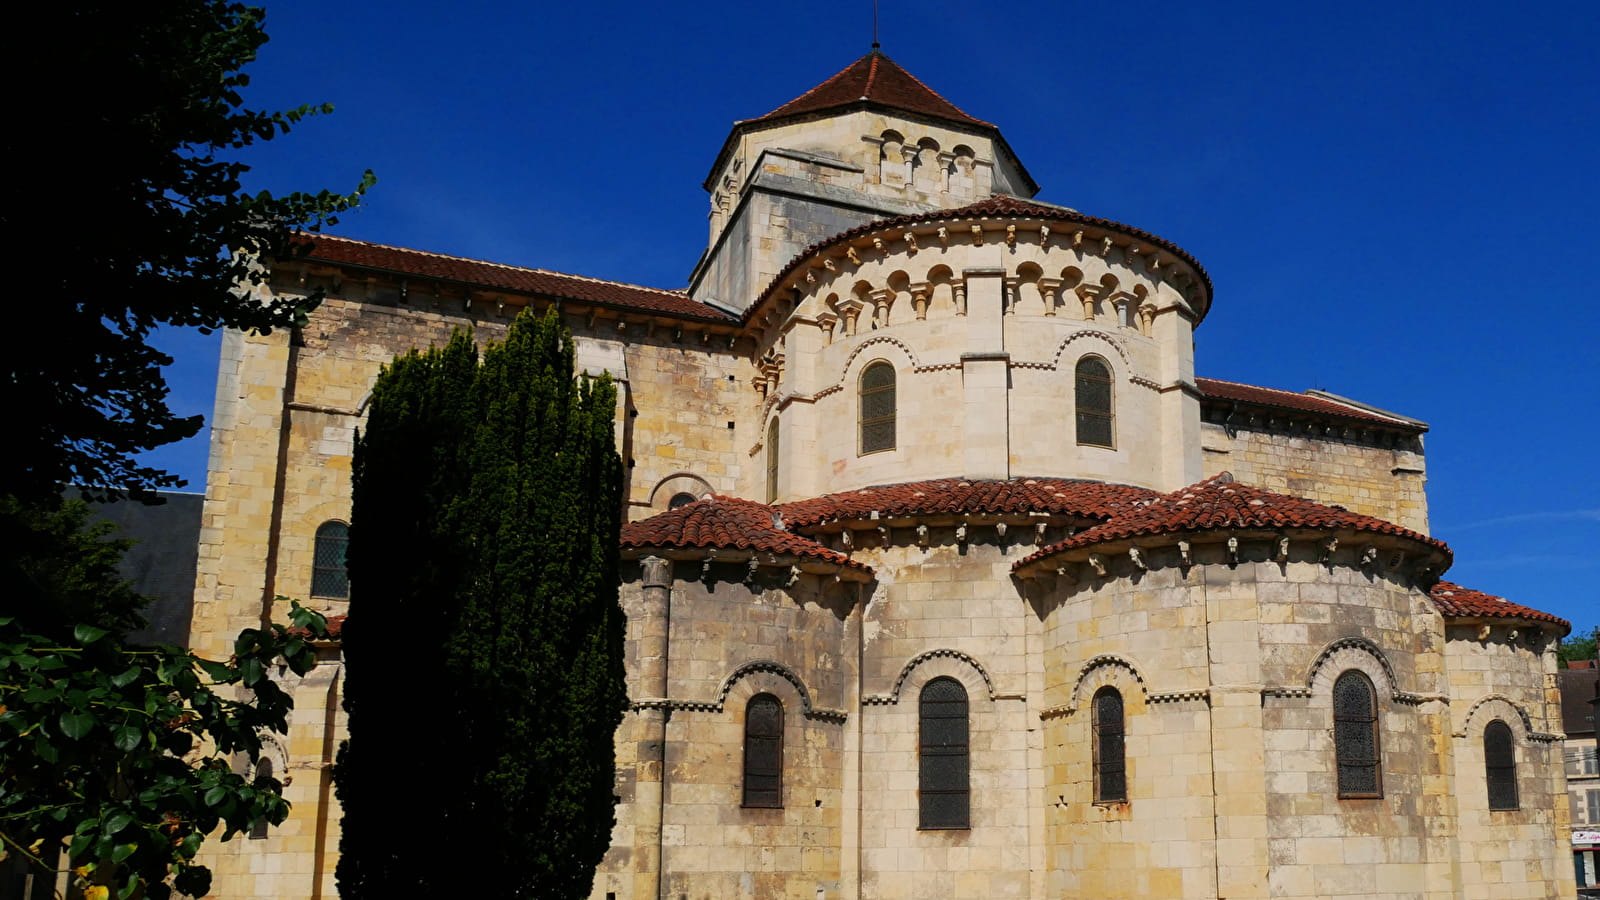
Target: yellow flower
x: 97, y: 892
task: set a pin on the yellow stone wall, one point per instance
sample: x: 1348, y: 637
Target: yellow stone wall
x: 1358, y: 473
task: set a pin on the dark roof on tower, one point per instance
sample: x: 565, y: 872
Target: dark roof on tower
x: 872, y: 82
x: 878, y: 80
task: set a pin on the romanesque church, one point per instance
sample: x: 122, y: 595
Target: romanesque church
x: 946, y: 575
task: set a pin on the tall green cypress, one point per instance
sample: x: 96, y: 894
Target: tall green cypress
x: 483, y: 560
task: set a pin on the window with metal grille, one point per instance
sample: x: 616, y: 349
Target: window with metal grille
x: 1092, y: 396
x: 329, y: 577
x: 772, y: 461
x: 763, y: 752
x: 1356, y: 748
x: 877, y: 407
x: 944, y: 791
x: 1500, y: 765
x: 1110, y: 755
x: 258, y: 829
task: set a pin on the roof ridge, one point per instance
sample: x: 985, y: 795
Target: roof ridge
x: 676, y: 292
x: 1324, y: 396
x: 924, y: 85
x: 814, y: 88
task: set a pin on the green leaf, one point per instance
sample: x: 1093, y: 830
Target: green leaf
x: 88, y: 634
x: 216, y: 795
x: 76, y: 725
x: 117, y: 821
x: 250, y: 671
x: 123, y: 851
x: 127, y: 738
x: 127, y: 677
x: 216, y: 671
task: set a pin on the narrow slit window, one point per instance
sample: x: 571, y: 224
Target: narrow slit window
x: 258, y: 829
x: 1357, y: 748
x: 763, y: 752
x: 329, y: 577
x: 1500, y: 765
x: 1093, y: 398
x: 1110, y: 753
x: 877, y: 407
x: 944, y: 790
x: 772, y: 461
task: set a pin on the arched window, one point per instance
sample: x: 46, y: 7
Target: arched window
x: 682, y: 498
x: 1092, y: 394
x: 1356, y: 747
x: 1500, y: 765
x: 1110, y: 754
x: 329, y: 578
x: 772, y: 461
x: 944, y: 792
x: 763, y: 752
x: 258, y: 829
x: 877, y: 407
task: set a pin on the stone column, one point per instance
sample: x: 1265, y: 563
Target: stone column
x: 649, y: 796
x: 985, y: 370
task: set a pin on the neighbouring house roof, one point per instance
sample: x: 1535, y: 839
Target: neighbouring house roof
x: 614, y: 294
x: 1577, y: 691
x: 1317, y: 403
x: 162, y: 562
x: 1057, y: 496
x: 876, y: 79
x: 727, y: 523
x: 1220, y: 503
x: 998, y: 207
x: 1458, y: 602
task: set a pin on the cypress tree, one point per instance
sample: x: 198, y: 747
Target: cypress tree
x: 487, y: 505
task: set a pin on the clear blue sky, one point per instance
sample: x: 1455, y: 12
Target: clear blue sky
x: 1396, y: 202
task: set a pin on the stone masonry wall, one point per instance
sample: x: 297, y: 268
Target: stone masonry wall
x: 1388, y: 483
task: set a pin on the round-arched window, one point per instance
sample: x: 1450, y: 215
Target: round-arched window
x: 877, y: 407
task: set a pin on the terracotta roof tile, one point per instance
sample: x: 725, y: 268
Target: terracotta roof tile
x: 1216, y: 389
x: 616, y: 294
x: 1454, y: 600
x: 1221, y: 503
x: 1060, y: 496
x: 727, y: 523
x: 998, y: 207
x: 874, y: 78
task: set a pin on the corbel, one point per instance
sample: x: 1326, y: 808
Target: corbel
x: 961, y: 533
x: 1186, y: 552
x: 705, y: 338
x: 1130, y: 255
x: 1233, y: 549
x: 589, y: 323
x: 750, y: 570
x: 911, y: 243
x: 794, y: 576
x: 1077, y: 239
x: 811, y: 277
x: 922, y: 535
x: 405, y: 288
x: 848, y: 539
x: 1328, y: 546
x: 1396, y: 559
x: 1484, y: 631
x: 337, y: 283
x: 828, y: 263
x: 677, y: 335
x: 1044, y: 235
x: 1098, y: 563
x: 1282, y: 554
x: 1369, y: 557
x: 877, y: 244
x: 1535, y: 636
x: 1039, y: 532
x: 1066, y: 573
x: 1011, y: 236
x: 884, y: 535
x: 705, y: 566
x: 1137, y: 557
x: 466, y: 302
x: 944, y: 236
x: 977, y: 235
x: 850, y: 254
x: 500, y: 306
x: 1105, y: 246
x: 1000, y: 532
x: 622, y: 326
x: 1512, y: 635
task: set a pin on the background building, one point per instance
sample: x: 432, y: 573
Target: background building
x: 1578, y: 692
x: 946, y: 576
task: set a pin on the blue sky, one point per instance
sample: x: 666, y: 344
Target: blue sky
x: 1396, y: 202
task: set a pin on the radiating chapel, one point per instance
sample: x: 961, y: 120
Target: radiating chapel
x: 945, y: 574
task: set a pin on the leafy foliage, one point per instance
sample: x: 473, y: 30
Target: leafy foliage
x: 1579, y: 645
x: 500, y: 486
x: 129, y: 210
x: 58, y: 570
x: 124, y: 754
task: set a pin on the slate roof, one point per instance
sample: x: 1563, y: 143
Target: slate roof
x: 614, y: 294
x: 1058, y: 496
x: 727, y: 523
x: 1454, y: 600
x: 1323, y: 406
x: 1221, y: 503
x: 1001, y: 206
x: 877, y: 79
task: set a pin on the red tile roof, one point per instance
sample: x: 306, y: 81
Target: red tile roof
x: 727, y: 523
x: 615, y: 294
x: 1457, y: 601
x: 1059, y: 496
x: 874, y: 78
x: 997, y: 207
x: 1216, y: 389
x: 1221, y: 503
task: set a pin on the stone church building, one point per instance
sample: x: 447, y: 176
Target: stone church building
x: 946, y: 576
